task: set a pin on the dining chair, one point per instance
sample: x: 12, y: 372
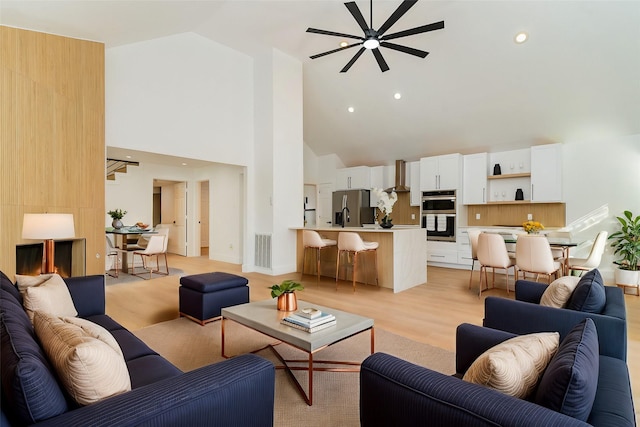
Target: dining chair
x: 352, y: 243
x: 595, y: 255
x: 113, y: 254
x: 312, y: 240
x: 157, y: 246
x: 473, y: 242
x: 492, y: 253
x: 533, y: 255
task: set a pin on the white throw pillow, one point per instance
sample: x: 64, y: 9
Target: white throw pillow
x: 514, y: 367
x: 86, y: 357
x: 559, y: 291
x: 47, y: 293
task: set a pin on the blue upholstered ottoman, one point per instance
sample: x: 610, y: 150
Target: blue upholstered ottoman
x: 202, y: 296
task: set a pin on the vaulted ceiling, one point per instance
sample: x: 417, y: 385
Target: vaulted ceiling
x: 576, y: 77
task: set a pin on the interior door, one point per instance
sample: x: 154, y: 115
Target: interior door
x: 178, y: 244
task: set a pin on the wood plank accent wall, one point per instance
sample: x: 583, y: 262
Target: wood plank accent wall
x: 549, y: 214
x: 402, y: 211
x: 52, y: 145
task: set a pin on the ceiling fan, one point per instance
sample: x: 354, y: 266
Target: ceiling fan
x: 374, y: 39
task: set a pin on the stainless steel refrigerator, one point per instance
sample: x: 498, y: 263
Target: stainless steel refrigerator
x: 352, y: 206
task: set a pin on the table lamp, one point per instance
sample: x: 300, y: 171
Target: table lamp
x: 48, y: 227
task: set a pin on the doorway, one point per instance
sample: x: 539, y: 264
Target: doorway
x: 202, y: 228
x: 173, y: 213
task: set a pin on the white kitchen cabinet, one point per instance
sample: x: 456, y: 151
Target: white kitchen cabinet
x: 440, y: 172
x: 442, y: 252
x: 413, y: 182
x: 357, y: 177
x: 546, y: 173
x: 474, y: 179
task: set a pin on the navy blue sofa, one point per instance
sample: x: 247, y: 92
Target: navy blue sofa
x: 525, y: 315
x: 399, y: 393
x: 235, y: 392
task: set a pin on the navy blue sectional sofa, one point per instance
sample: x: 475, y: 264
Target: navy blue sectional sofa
x: 525, y: 315
x: 235, y: 392
x: 399, y: 393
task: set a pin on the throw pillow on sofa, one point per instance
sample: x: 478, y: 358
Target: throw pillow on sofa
x: 559, y: 291
x: 589, y: 295
x: 514, y: 366
x: 86, y: 357
x: 570, y: 381
x: 47, y: 293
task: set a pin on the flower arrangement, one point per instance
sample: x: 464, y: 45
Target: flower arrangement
x: 117, y: 214
x: 385, y: 203
x: 532, y: 227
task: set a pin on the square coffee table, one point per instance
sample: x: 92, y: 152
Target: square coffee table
x: 264, y: 317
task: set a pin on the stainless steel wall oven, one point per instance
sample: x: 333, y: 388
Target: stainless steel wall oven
x: 439, y: 215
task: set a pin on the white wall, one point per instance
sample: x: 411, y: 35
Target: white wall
x: 601, y: 179
x: 182, y: 95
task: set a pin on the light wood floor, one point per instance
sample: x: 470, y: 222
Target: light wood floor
x: 428, y: 313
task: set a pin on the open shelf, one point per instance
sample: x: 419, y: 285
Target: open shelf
x: 511, y: 175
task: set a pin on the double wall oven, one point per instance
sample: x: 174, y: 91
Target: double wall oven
x: 439, y: 215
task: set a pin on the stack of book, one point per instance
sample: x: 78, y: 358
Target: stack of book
x: 310, y: 320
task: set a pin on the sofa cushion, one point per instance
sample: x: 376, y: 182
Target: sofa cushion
x: 559, y: 291
x: 29, y: 386
x: 7, y: 285
x: 86, y: 357
x: 514, y: 366
x: 150, y: 369
x: 589, y: 295
x: 47, y: 293
x: 569, y: 384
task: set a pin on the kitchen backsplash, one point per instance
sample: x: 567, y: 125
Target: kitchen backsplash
x: 549, y: 214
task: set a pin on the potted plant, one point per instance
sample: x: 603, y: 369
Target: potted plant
x: 626, y: 243
x: 116, y: 216
x: 385, y: 205
x: 285, y: 292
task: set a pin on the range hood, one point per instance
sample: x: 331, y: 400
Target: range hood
x: 401, y: 175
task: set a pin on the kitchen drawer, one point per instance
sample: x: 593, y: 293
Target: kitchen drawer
x: 448, y: 257
x: 465, y: 258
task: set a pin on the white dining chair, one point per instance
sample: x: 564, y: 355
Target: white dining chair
x: 352, y: 244
x: 157, y: 246
x: 595, y: 255
x: 473, y: 234
x: 492, y: 253
x: 312, y: 240
x: 533, y: 255
x: 113, y: 255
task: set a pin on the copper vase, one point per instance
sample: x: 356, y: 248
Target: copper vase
x: 287, y: 302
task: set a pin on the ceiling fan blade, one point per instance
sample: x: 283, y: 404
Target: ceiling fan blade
x: 401, y: 10
x: 405, y: 49
x: 355, y: 11
x: 354, y: 59
x: 417, y: 30
x: 332, y: 33
x: 334, y: 51
x: 381, y: 62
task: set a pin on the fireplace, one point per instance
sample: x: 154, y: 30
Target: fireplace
x: 69, y: 258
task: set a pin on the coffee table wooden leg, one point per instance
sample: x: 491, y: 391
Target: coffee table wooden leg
x: 373, y: 339
x: 310, y: 400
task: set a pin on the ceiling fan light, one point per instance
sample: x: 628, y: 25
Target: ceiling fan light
x: 371, y: 43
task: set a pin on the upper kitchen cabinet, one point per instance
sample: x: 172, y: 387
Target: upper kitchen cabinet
x: 440, y: 172
x: 355, y: 178
x: 474, y: 179
x: 413, y: 181
x: 546, y: 173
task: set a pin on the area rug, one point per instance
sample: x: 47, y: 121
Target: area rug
x: 125, y: 278
x: 335, y: 394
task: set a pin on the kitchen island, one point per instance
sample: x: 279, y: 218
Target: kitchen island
x: 402, y: 255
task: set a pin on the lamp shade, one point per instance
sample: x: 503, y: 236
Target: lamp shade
x: 48, y: 226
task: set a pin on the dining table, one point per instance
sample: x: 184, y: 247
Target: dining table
x: 562, y: 243
x: 121, y: 242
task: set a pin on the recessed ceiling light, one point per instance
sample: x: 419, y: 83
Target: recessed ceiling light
x: 351, y: 109
x: 344, y: 43
x: 397, y: 95
x: 184, y: 164
x: 128, y: 157
x: 521, y: 37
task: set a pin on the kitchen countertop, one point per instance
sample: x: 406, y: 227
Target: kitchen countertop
x: 362, y: 229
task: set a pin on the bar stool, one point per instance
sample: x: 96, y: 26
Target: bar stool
x: 312, y: 240
x: 352, y: 243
